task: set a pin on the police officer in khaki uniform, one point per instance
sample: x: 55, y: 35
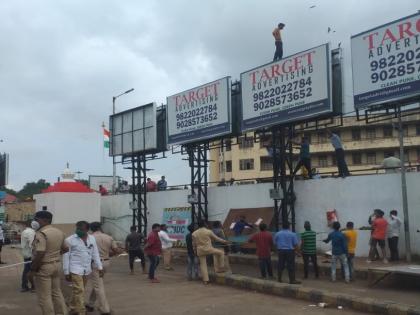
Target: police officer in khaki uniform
x: 95, y: 290
x: 46, y: 266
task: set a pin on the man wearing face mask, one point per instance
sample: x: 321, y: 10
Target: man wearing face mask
x: 77, y: 264
x: 26, y: 240
x: 48, y: 246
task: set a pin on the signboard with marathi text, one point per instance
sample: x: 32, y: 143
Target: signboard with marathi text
x: 294, y: 88
x: 177, y: 220
x: 386, y: 62
x: 200, y: 113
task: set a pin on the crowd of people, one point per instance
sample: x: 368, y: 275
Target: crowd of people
x: 84, y: 257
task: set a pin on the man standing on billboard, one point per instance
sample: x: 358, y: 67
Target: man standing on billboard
x: 278, y: 42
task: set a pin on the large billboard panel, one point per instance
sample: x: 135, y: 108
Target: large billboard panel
x: 203, y: 112
x: 133, y: 131
x: 294, y: 88
x: 386, y: 62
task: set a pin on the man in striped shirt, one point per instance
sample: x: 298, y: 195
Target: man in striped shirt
x: 308, y: 246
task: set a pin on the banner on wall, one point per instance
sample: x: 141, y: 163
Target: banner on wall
x: 177, y: 220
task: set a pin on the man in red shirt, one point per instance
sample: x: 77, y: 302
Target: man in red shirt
x: 264, y: 242
x: 379, y: 229
x: 153, y: 249
x: 151, y: 185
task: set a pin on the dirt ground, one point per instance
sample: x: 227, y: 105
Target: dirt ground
x: 174, y: 295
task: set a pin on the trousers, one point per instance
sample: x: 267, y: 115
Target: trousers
x: 192, y: 267
x: 287, y: 259
x: 48, y: 289
x: 313, y: 259
x: 305, y: 162
x: 278, y: 54
x: 167, y: 255
x: 77, y: 302
x: 153, y: 263
x: 343, y: 259
x: 25, y: 280
x: 218, y: 259
x: 393, y: 248
x: 265, y: 267
x: 95, y: 290
x: 343, y: 170
x: 133, y: 254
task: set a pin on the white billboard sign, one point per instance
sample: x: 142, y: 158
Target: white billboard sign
x: 201, y: 113
x: 291, y: 89
x: 386, y: 62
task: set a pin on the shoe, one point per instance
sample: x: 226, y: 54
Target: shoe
x: 347, y: 281
x: 24, y: 290
x: 385, y: 261
x: 154, y: 281
x: 89, y: 308
x: 295, y: 282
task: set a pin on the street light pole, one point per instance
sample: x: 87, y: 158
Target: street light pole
x: 404, y: 189
x: 114, y: 166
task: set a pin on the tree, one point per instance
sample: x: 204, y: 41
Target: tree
x: 33, y: 188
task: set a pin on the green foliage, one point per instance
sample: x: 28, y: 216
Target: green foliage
x: 32, y: 188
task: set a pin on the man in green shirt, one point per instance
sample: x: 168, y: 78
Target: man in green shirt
x: 308, y: 246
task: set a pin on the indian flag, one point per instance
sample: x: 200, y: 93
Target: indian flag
x: 106, y: 138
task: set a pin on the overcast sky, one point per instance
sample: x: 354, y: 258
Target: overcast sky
x: 62, y: 61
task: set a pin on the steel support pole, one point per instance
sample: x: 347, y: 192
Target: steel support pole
x: 404, y: 188
x: 114, y: 167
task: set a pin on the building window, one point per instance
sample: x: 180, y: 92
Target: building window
x: 266, y: 163
x: 245, y: 143
x: 417, y: 130
x: 322, y: 137
x: 246, y: 164
x: 228, y: 166
x: 264, y: 141
x: 388, y: 154
x: 228, y: 145
x: 323, y: 161
x: 406, y: 156
x: 355, y: 134
x: 370, y: 133
x: 387, y: 131
x: 357, y: 158
x: 308, y: 136
x: 371, y: 158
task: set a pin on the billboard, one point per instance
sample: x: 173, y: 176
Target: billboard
x: 294, y: 88
x: 200, y: 113
x: 133, y: 131
x: 4, y: 169
x: 177, y: 220
x: 386, y: 62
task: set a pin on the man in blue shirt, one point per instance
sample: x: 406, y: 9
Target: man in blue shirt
x: 287, y: 243
x: 238, y: 228
x: 343, y: 170
x: 304, y: 157
x: 339, y: 251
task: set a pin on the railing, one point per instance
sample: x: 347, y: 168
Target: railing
x: 410, y: 167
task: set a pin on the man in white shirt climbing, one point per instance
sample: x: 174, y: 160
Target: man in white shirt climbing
x: 167, y: 244
x: 77, y: 264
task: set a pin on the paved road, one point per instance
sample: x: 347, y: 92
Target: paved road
x: 174, y: 295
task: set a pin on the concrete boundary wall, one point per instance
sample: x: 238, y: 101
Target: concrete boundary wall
x: 354, y: 198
